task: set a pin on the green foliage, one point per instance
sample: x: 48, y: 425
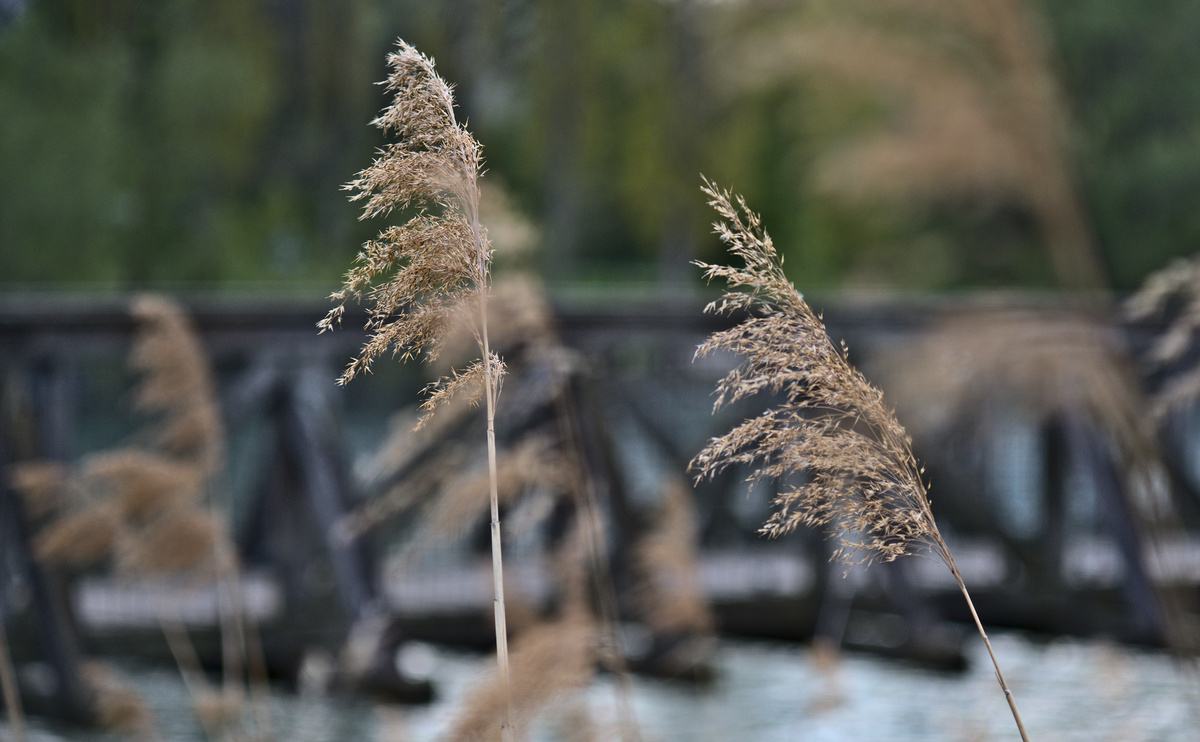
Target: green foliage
x: 1130, y: 71
x: 206, y: 141
x: 159, y: 142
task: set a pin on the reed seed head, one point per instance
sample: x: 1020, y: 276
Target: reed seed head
x: 176, y: 382
x: 80, y: 538
x: 1177, y: 286
x: 548, y: 662
x: 428, y: 275
x: 829, y: 426
x: 670, y: 592
x: 144, y: 483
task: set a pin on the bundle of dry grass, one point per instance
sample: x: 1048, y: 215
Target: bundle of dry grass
x: 81, y: 537
x: 671, y: 596
x: 119, y: 708
x: 144, y: 484
x: 145, y: 505
x: 423, y: 276
x: 146, y: 510
x: 1177, y: 284
x: 549, y: 662
x: 428, y: 274
x: 184, y: 541
x: 832, y: 423
x: 176, y: 383
x: 1053, y: 362
x: 1055, y: 366
x: 531, y: 464
x: 829, y: 423
x: 973, y: 112
x: 41, y: 484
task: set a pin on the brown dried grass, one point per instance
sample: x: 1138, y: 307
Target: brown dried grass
x: 670, y: 593
x: 41, y: 484
x: 80, y: 538
x: 863, y: 482
x: 1177, y: 284
x: 1052, y: 362
x: 462, y: 494
x: 176, y: 382
x: 973, y: 113
x: 186, y: 540
x: 549, y: 662
x: 117, y: 707
x: 143, y: 483
x: 828, y: 422
x: 425, y: 275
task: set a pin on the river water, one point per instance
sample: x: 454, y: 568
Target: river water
x: 1067, y: 690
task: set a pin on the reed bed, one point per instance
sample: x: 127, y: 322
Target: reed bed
x: 147, y: 510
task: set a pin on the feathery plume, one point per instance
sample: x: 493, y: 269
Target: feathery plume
x: 118, y: 707
x: 975, y: 112
x: 1179, y: 282
x: 670, y: 593
x: 81, y: 537
x: 829, y: 423
x: 177, y: 382
x: 144, y: 483
x: 549, y: 661
x: 41, y: 484
x: 427, y: 275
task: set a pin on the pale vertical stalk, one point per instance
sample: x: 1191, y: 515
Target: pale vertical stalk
x: 436, y: 162
x: 190, y: 670
x: 256, y: 669
x: 8, y: 682
x: 1008, y: 694
x: 506, y: 728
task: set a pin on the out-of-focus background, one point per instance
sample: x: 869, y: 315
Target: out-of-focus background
x: 205, y: 143
x: 202, y: 536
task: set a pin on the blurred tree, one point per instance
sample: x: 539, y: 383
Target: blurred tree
x: 1132, y: 73
x: 179, y: 140
x: 967, y: 112
x: 207, y: 141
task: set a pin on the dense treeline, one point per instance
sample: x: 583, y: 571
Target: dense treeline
x: 207, y: 141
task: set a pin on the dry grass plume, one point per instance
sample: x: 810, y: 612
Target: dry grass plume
x: 430, y: 273
x: 863, y: 482
x: 1175, y: 292
x: 671, y: 595
x: 972, y: 111
x: 549, y: 662
x: 828, y: 426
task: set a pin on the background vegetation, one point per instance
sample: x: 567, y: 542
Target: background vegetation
x: 206, y: 142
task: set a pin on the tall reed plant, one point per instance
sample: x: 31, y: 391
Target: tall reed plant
x: 830, y: 425
x: 430, y: 275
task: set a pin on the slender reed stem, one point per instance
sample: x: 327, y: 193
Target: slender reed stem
x: 190, y: 670
x: 8, y: 681
x: 256, y: 670
x: 1008, y: 694
x: 506, y: 728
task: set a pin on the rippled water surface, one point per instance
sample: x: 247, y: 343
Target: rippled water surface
x: 1066, y: 689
